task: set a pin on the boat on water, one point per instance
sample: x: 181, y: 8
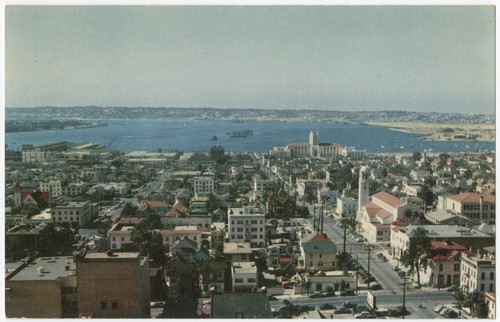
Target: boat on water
x: 214, y: 138
x: 240, y: 134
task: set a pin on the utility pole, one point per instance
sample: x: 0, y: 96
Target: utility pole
x: 404, y: 295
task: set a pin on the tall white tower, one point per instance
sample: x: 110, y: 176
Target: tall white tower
x: 314, y: 143
x: 363, y: 189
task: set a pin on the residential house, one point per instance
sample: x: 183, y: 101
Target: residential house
x: 318, y: 252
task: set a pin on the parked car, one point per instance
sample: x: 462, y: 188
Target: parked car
x: 316, y: 295
x: 342, y: 310
x: 398, y: 311
x: 360, y: 308
x: 445, y: 311
x: 370, y: 279
x: 453, y: 288
x: 363, y: 315
x: 347, y: 293
x: 375, y: 287
x: 327, y: 307
x: 349, y: 305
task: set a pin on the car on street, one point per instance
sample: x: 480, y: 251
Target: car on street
x: 327, y: 306
x: 363, y: 315
x: 347, y: 293
x: 316, y: 295
x: 453, y: 288
x: 451, y: 314
x: 370, y: 279
x: 399, y: 311
x: 349, y: 305
x: 342, y: 310
x: 375, y: 287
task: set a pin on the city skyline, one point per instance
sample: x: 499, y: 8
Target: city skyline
x: 345, y: 58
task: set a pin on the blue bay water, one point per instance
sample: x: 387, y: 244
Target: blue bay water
x: 151, y: 135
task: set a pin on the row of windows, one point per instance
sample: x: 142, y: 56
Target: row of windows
x: 246, y: 222
x: 478, y: 207
x: 106, y: 303
x: 253, y: 236
x: 241, y: 280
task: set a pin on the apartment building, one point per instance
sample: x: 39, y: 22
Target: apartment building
x: 203, y: 185
x: 54, y: 187
x: 477, y: 272
x: 73, y: 213
x: 247, y: 224
x: 347, y: 206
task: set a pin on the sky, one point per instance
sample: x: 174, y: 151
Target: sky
x: 343, y: 58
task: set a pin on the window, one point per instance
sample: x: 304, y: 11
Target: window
x: 482, y: 287
x: 492, y: 275
x: 440, y: 267
x: 114, y: 304
x: 456, y: 267
x: 483, y: 276
x: 238, y: 280
x: 104, y: 304
x: 251, y: 280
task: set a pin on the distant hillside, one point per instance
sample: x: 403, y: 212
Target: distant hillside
x: 103, y: 113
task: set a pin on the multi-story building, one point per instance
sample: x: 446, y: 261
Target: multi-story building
x: 34, y: 155
x: 445, y: 266
x: 54, y: 187
x: 247, y: 224
x: 244, y: 276
x: 490, y: 299
x: 378, y: 214
x: 477, y: 272
x: 473, y: 238
x: 479, y: 207
x: 44, y: 288
x: 113, y: 285
x: 318, y: 252
x: 203, y: 185
x: 237, y: 252
x: 74, y: 213
x: 347, y: 206
x: 75, y: 189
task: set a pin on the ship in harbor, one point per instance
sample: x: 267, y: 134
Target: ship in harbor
x: 240, y: 134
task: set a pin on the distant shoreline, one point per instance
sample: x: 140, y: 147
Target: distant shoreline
x: 444, y: 131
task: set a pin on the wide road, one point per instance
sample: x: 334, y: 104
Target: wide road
x: 392, y: 283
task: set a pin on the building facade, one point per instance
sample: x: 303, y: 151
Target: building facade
x: 113, y: 285
x: 247, y: 224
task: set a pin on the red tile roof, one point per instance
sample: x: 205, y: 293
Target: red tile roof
x: 388, y: 199
x: 319, y: 238
x: 472, y: 197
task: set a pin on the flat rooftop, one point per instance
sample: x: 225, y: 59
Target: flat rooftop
x: 46, y: 268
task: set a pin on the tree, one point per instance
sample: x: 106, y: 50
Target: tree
x: 477, y: 305
x: 427, y: 195
x: 461, y: 297
x: 54, y: 240
x: 148, y: 242
x: 418, y: 253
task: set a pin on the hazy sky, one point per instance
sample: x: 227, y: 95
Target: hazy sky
x: 417, y: 58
